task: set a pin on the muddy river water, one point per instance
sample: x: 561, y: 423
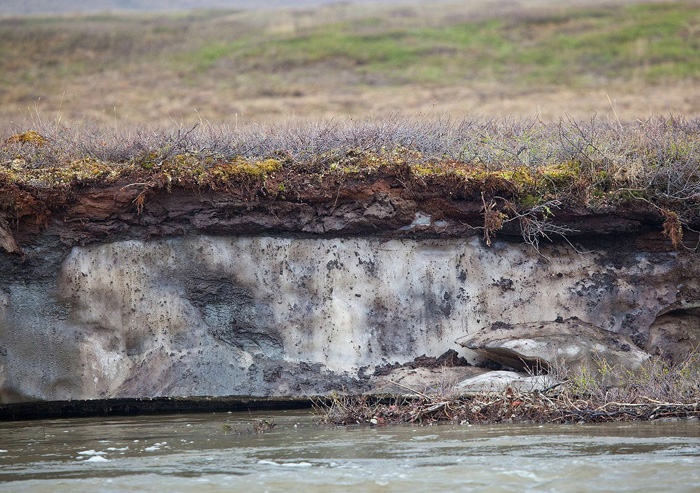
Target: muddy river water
x: 222, y: 452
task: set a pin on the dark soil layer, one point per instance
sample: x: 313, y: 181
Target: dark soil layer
x: 383, y: 204
x: 137, y: 406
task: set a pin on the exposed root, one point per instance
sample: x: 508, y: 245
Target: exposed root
x: 493, y: 219
x: 672, y: 227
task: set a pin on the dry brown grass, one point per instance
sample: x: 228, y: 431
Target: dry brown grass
x: 245, y: 66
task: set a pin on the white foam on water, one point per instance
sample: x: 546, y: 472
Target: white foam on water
x: 92, y: 452
x: 97, y: 458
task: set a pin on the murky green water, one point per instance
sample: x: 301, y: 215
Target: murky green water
x: 216, y: 452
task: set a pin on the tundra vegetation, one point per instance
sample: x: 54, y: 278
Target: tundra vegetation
x: 520, y: 171
x: 456, y: 57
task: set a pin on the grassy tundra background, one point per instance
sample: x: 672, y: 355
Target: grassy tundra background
x: 464, y: 58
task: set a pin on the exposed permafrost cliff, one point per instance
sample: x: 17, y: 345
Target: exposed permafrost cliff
x: 194, y: 295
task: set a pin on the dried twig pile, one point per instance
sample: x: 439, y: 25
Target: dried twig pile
x: 505, y: 407
x: 659, y: 390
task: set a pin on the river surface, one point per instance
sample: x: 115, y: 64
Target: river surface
x: 222, y: 452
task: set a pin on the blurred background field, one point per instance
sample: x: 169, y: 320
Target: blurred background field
x: 487, y: 58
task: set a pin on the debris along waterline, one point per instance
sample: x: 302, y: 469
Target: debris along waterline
x: 492, y: 408
x: 476, y: 407
x: 581, y: 394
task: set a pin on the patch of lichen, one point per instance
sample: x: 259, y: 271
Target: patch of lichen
x: 560, y: 175
x: 539, y: 184
x: 442, y: 168
x: 24, y: 151
x: 223, y: 174
x: 153, y: 167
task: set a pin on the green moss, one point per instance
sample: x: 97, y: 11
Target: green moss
x: 30, y: 137
x: 86, y: 170
x: 261, y: 168
x: 150, y: 160
x: 625, y: 195
x: 238, y: 169
x: 560, y: 175
x: 528, y: 201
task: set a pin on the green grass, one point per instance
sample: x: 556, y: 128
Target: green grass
x: 640, y: 41
x: 650, y: 42
x: 205, y: 57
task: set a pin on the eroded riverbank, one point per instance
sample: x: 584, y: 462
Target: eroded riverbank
x: 394, y: 257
